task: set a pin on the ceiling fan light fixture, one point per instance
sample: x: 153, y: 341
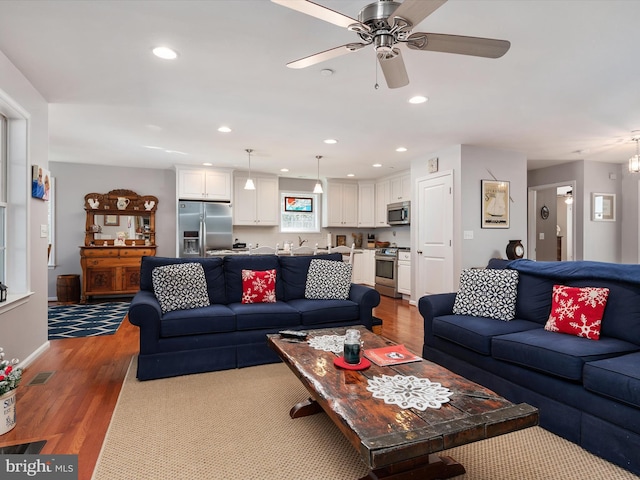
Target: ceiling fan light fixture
x: 249, y: 185
x: 318, y: 186
x: 634, y: 162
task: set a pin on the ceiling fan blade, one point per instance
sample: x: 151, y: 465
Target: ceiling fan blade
x: 393, y: 69
x: 318, y: 11
x: 416, y: 10
x: 326, y: 55
x: 476, y: 46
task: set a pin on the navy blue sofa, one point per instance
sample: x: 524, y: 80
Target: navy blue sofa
x: 230, y: 334
x: 587, y: 391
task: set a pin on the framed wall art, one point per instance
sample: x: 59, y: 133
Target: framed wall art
x: 495, y: 204
x: 603, y: 207
x: 298, y: 204
x: 112, y: 220
x: 40, y: 182
x: 341, y: 240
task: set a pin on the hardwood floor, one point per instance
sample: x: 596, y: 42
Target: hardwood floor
x: 72, y: 410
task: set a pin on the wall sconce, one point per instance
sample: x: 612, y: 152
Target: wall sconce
x: 3, y: 292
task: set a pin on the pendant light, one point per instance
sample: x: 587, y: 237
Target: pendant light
x: 634, y: 162
x: 318, y: 187
x: 249, y: 185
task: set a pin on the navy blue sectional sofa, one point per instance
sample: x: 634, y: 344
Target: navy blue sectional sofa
x: 587, y: 391
x: 230, y: 334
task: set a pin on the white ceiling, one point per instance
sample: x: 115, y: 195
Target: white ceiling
x: 566, y: 90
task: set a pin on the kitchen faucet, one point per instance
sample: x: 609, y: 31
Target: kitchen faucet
x: 300, y: 241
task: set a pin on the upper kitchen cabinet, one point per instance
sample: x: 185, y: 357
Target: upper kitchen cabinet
x: 259, y: 207
x: 204, y: 184
x: 366, y: 204
x: 341, y: 205
x: 382, y: 200
x: 400, y: 188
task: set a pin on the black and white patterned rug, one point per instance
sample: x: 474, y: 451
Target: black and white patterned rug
x: 71, y: 321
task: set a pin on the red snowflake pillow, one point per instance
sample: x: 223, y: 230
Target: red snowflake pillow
x: 258, y: 286
x: 577, y: 311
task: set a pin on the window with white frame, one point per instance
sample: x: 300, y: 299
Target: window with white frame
x: 299, y: 212
x: 3, y: 197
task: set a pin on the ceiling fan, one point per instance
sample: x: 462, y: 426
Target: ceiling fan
x: 386, y: 23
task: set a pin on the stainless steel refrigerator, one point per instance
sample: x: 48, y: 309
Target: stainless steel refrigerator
x: 203, y: 226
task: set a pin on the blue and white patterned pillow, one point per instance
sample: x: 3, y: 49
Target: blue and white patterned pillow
x: 487, y: 293
x: 328, y: 280
x: 180, y: 286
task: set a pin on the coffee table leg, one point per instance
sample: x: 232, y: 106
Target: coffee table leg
x: 436, y: 467
x: 305, y: 408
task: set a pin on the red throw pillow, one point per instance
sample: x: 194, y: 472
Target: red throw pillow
x: 577, y: 311
x: 258, y: 286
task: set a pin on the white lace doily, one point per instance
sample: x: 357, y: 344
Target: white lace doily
x: 328, y: 343
x: 409, y: 391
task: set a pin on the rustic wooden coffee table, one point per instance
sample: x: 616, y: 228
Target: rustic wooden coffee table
x: 397, y: 443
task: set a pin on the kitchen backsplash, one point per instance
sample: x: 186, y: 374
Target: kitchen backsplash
x: 271, y: 236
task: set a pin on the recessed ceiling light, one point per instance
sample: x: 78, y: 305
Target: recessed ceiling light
x: 326, y: 72
x: 351, y: 175
x: 401, y: 149
x: 418, y: 99
x: 284, y: 169
x: 331, y: 141
x: 165, y: 53
x: 376, y: 165
x: 207, y: 164
x: 224, y: 129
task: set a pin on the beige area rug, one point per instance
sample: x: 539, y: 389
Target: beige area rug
x: 235, y: 425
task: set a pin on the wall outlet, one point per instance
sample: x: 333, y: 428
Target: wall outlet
x: 467, y: 235
x: 541, y: 236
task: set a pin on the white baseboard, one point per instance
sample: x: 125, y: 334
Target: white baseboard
x: 31, y: 358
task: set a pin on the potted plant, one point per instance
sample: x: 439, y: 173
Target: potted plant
x: 10, y: 377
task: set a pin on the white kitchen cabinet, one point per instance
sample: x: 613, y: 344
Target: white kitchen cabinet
x: 341, y: 205
x: 259, y: 207
x: 204, y: 184
x: 364, y: 266
x: 382, y: 200
x: 400, y: 188
x: 369, y: 267
x: 366, y: 204
x: 404, y: 272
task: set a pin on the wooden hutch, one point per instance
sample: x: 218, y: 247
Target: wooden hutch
x: 120, y: 229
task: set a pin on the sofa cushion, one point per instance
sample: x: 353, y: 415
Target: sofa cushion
x: 554, y: 353
x: 577, y: 311
x: 328, y: 280
x: 212, y: 271
x: 293, y: 270
x: 255, y: 316
x: 258, y: 286
x: 487, y: 293
x: 476, y: 333
x: 617, y: 378
x: 233, y: 266
x: 180, y: 286
x: 317, y: 312
x: 212, y: 319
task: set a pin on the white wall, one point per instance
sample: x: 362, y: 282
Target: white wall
x: 24, y: 328
x: 74, y: 181
x: 471, y: 164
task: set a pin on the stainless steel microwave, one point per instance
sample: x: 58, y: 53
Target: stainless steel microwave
x: 399, y: 213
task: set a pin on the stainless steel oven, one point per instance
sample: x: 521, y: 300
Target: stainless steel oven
x: 387, y: 272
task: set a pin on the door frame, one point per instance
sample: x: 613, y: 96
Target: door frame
x: 532, y: 212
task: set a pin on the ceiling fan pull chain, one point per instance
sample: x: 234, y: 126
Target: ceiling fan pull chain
x: 375, y: 60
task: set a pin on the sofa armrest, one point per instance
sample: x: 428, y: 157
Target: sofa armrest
x: 431, y: 306
x: 145, y: 313
x: 367, y: 298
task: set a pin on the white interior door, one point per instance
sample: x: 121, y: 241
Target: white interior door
x: 435, y: 234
